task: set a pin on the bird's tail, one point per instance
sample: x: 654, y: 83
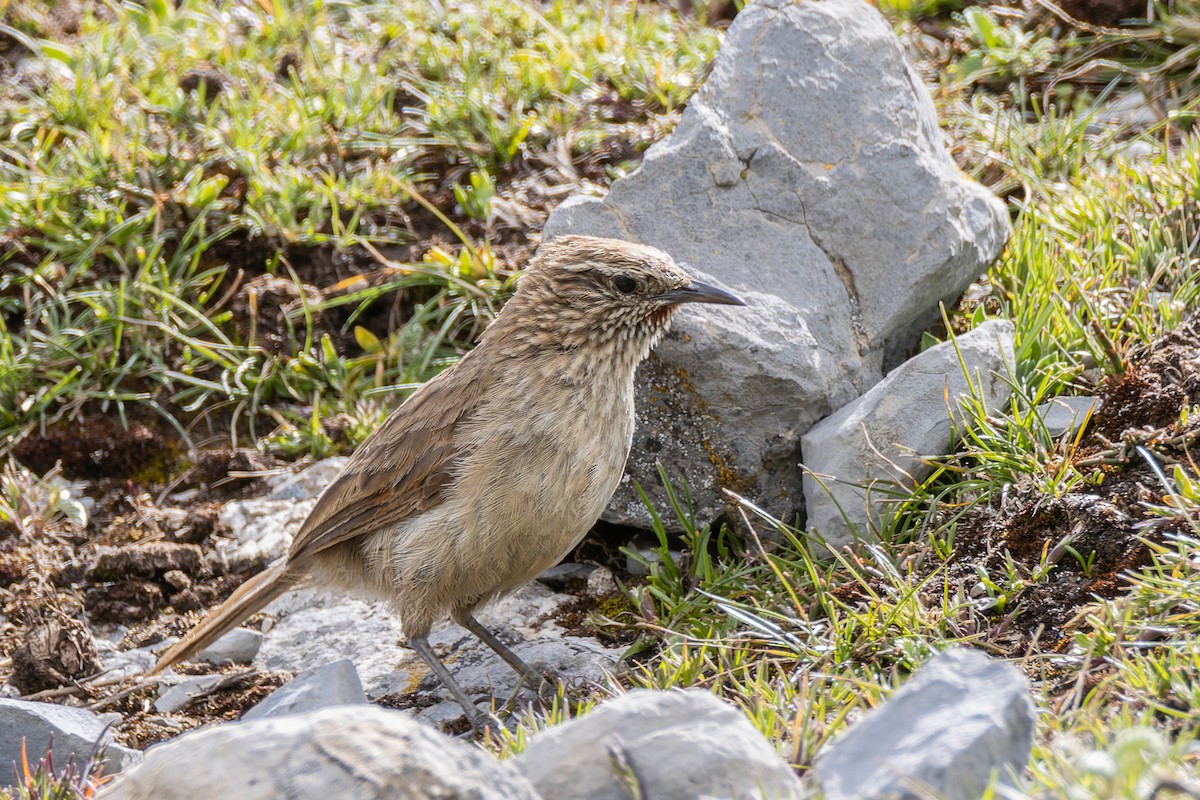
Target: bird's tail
x: 251, y: 597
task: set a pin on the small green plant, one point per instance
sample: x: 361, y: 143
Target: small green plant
x: 999, y: 52
x: 918, y: 9
x: 476, y: 199
x: 29, y: 503
x: 78, y: 779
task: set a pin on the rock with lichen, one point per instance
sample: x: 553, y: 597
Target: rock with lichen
x: 809, y: 175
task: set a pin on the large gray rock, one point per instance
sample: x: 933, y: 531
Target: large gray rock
x: 347, y: 752
x: 808, y: 174
x: 872, y: 449
x: 960, y: 720
x: 333, y: 684
x: 73, y: 732
x: 671, y: 745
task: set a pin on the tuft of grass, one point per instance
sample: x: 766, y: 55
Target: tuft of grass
x: 77, y: 780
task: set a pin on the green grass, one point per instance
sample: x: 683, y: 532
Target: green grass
x: 1102, y: 261
x: 375, y: 161
x: 138, y: 201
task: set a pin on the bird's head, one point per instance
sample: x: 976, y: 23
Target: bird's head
x: 584, y: 291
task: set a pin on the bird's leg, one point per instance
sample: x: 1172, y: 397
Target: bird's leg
x: 536, y: 678
x: 479, y: 721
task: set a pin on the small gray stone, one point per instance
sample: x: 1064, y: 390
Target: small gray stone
x: 306, y: 484
x: 601, y: 583
x: 239, y: 646
x: 345, y: 752
x: 873, y: 448
x: 675, y: 745
x: 1137, y: 149
x: 179, y: 696
x: 129, y: 663
x: 124, y: 664
x: 73, y: 732
x: 560, y: 576
x: 1132, y: 109
x: 1066, y: 414
x: 962, y: 718
x: 333, y: 684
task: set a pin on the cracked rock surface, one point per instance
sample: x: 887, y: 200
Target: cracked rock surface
x: 351, y: 752
x: 809, y: 175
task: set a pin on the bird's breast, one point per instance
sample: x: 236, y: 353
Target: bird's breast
x: 541, y: 469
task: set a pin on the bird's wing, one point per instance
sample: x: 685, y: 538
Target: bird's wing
x: 402, y: 469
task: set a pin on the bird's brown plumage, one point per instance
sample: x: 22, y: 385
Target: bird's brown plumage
x: 496, y: 468
x: 402, y: 469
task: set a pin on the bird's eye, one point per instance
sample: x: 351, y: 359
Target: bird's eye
x: 625, y: 284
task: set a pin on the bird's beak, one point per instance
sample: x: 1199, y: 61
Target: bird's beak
x: 699, y: 292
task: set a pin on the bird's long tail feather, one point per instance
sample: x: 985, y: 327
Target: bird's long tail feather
x: 251, y: 597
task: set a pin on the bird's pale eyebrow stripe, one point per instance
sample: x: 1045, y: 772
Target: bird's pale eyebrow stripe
x: 585, y: 278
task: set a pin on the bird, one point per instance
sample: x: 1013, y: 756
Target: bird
x: 495, y: 469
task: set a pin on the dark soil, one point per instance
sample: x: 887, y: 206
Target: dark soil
x: 1096, y: 534
x: 94, y: 447
x: 1104, y: 12
x: 143, y: 726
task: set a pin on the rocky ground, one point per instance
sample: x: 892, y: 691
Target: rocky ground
x: 86, y: 608
x: 142, y: 571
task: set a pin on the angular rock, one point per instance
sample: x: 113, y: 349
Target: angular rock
x: 239, y: 646
x: 872, y: 449
x: 1066, y: 414
x: 960, y: 719
x: 121, y: 665
x: 73, y: 732
x: 808, y: 174
x: 333, y: 684
x: 675, y: 745
x: 349, y: 753
x: 182, y: 694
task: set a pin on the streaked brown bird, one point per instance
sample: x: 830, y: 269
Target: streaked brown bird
x: 495, y: 469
